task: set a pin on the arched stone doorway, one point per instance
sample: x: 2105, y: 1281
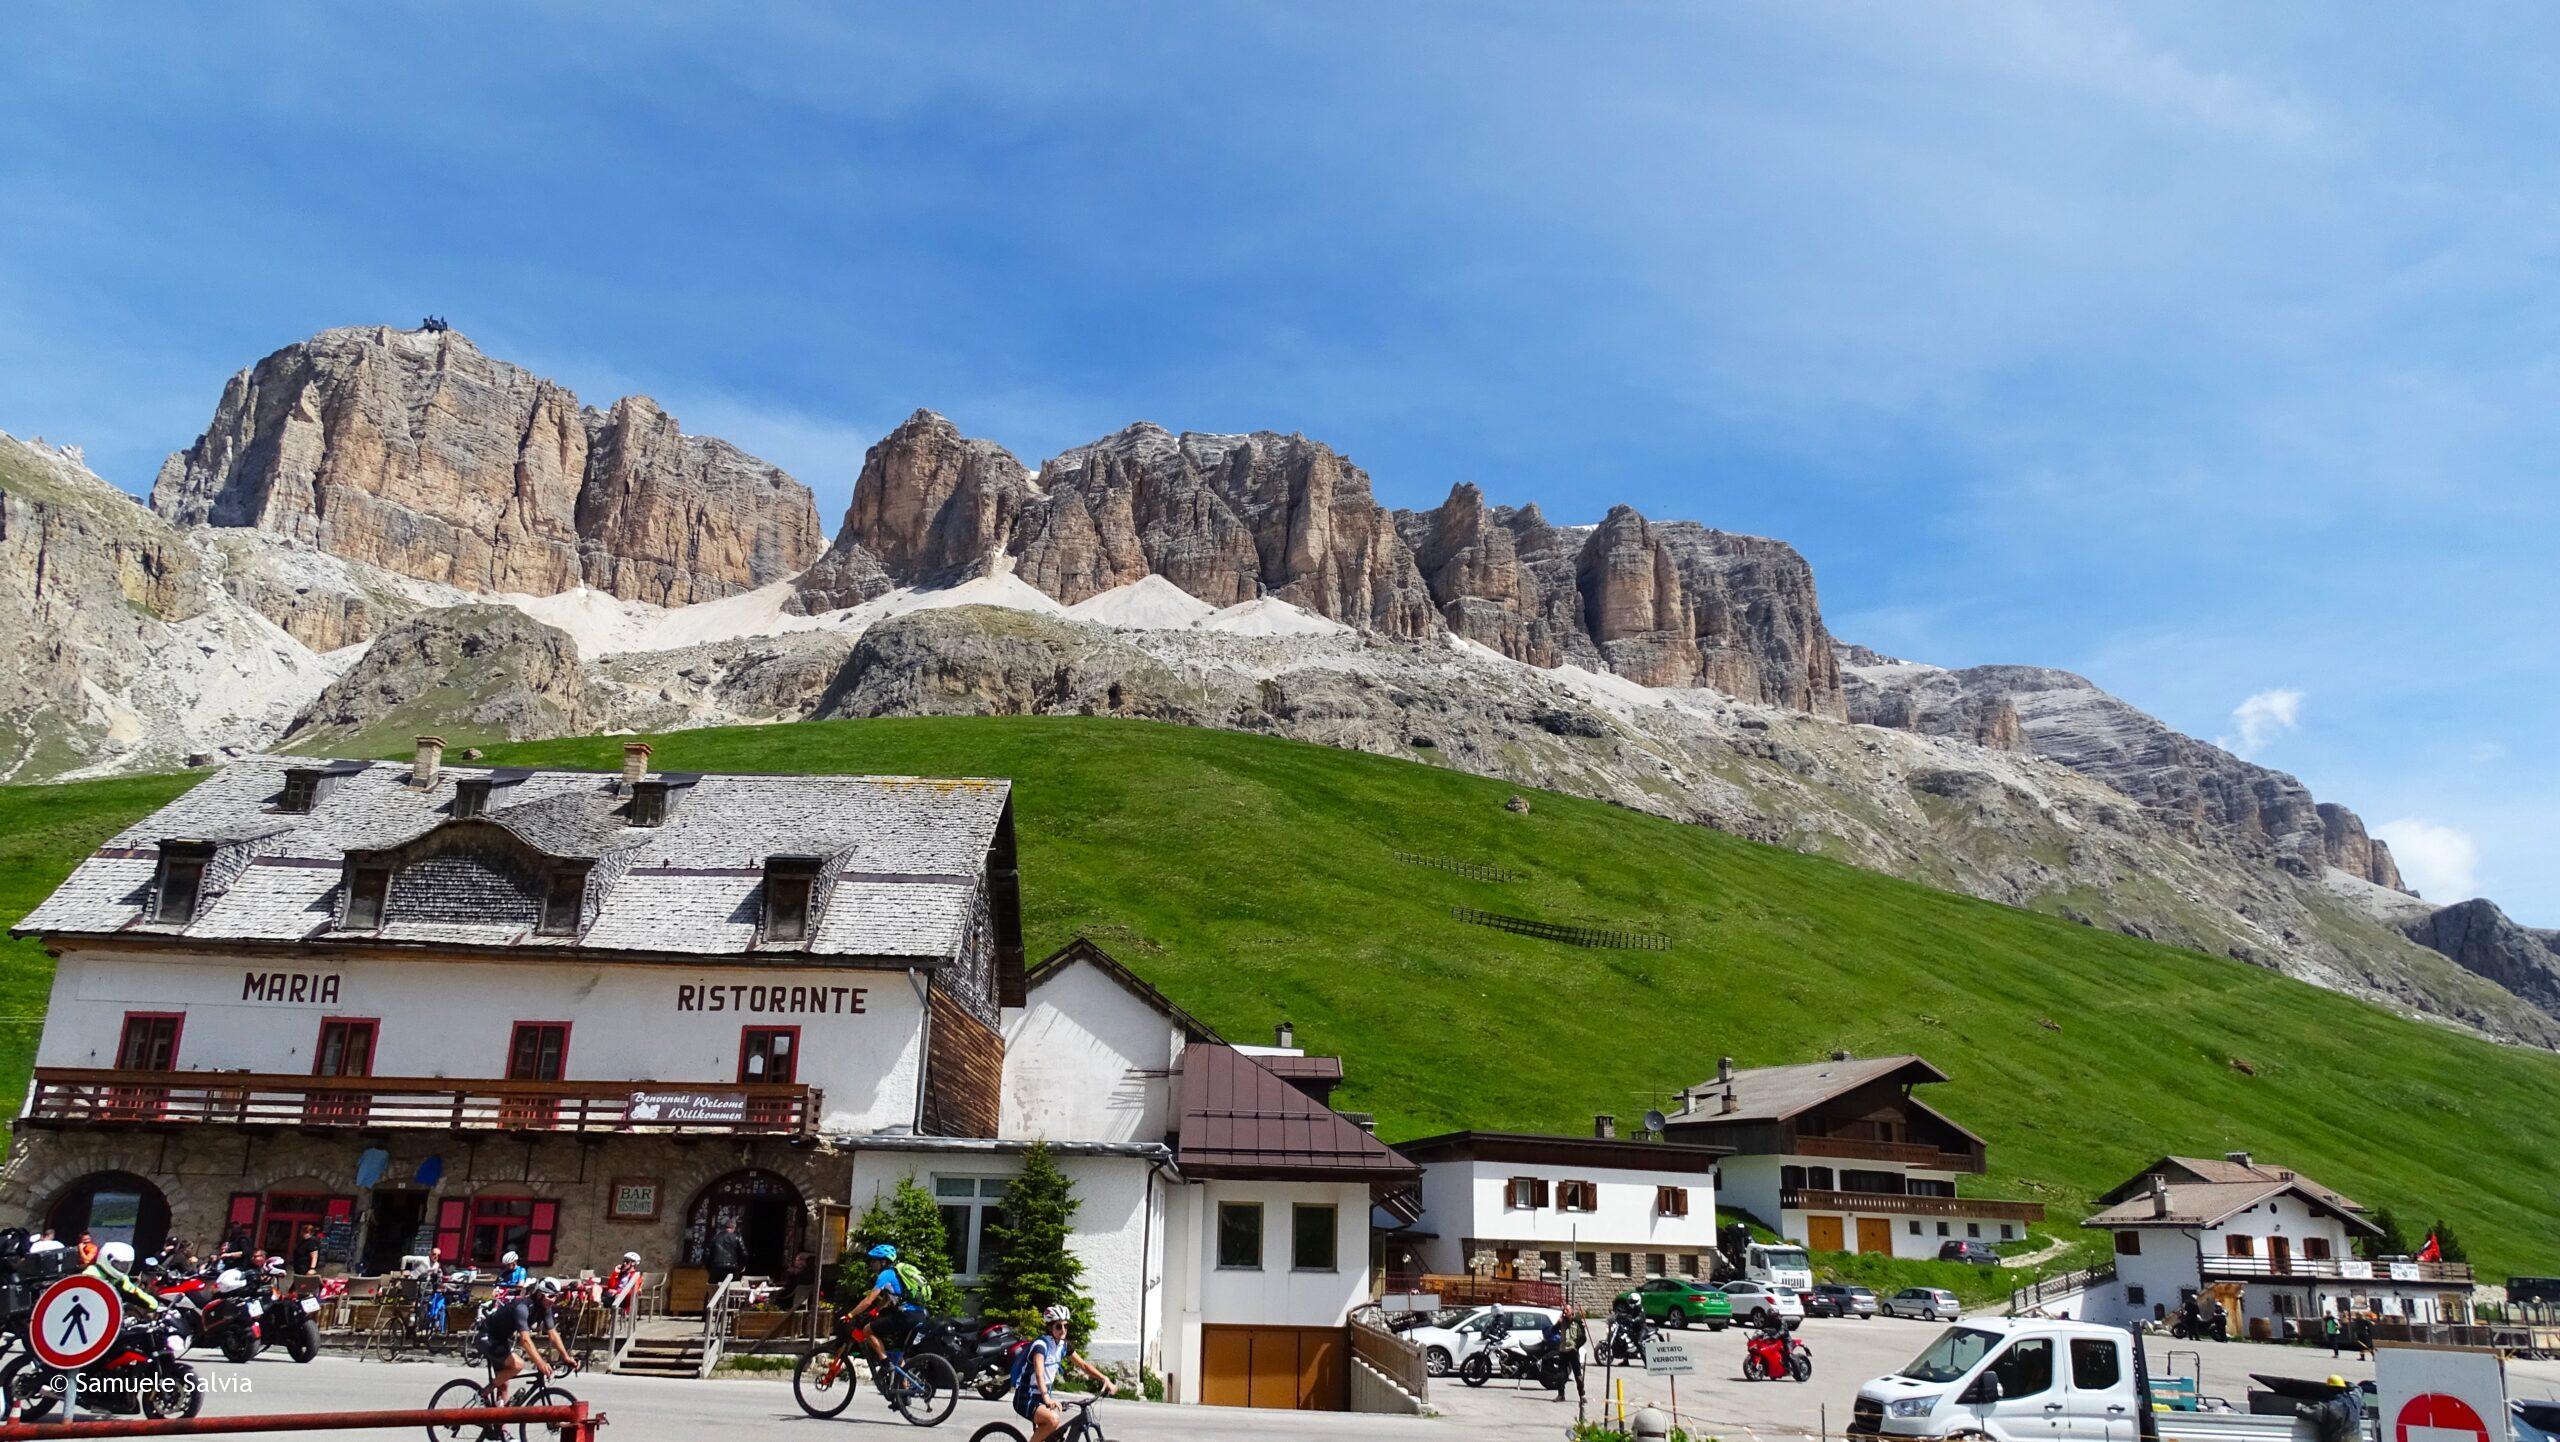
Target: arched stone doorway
x: 771, y: 1218
x: 111, y: 1207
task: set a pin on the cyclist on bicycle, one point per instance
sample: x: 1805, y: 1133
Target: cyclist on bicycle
x: 889, y: 1317
x: 1042, y: 1362
x: 542, y: 1320
x: 504, y: 1340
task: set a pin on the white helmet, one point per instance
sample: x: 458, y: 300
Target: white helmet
x: 118, y: 1255
x: 548, y: 1286
x: 632, y: 1257
x: 509, y: 1259
x: 231, y: 1280
x: 1055, y: 1313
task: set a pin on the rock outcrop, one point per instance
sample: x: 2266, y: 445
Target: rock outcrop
x: 414, y: 452
x: 2482, y: 940
x: 481, y: 671
x: 930, y: 505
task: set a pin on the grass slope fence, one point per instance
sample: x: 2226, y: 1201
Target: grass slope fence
x: 1608, y: 938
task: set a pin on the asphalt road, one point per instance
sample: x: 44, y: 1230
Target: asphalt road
x: 1714, y: 1400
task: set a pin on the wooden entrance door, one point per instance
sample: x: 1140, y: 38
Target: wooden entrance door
x: 1875, y: 1234
x: 1301, y: 1368
x: 1823, y: 1234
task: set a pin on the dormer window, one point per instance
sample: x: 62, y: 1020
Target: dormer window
x: 301, y: 788
x: 648, y: 804
x: 181, y: 884
x: 368, y: 895
x: 790, y: 885
x: 471, y: 798
x: 562, y: 900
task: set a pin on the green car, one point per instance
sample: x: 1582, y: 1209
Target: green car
x: 1683, y: 1303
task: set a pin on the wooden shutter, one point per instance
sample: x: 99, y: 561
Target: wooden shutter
x: 451, y: 1213
x: 243, y: 1214
x: 537, y: 1247
x: 1537, y: 1191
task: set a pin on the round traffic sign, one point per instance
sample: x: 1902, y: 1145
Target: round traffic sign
x: 2439, y: 1417
x: 74, y: 1323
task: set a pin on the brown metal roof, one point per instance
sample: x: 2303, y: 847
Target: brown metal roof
x: 1303, y: 1068
x: 1241, y: 1120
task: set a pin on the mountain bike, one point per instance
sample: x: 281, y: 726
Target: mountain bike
x: 1080, y: 1426
x: 462, y: 1393
x: 922, y: 1389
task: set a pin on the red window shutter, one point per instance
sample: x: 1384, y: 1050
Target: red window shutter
x: 537, y: 1248
x: 449, y: 1218
x: 244, y: 1211
x: 339, y: 1209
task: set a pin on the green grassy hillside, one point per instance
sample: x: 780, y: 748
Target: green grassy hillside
x: 1257, y: 879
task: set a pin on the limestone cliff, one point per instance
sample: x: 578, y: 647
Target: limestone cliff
x: 412, y: 451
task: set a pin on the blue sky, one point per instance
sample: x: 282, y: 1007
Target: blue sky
x: 2206, y: 350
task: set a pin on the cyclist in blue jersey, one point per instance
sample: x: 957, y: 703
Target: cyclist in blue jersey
x: 1040, y: 1367
x: 889, y: 1312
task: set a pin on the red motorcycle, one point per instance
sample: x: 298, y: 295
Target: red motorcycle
x: 140, y: 1375
x: 1773, y: 1351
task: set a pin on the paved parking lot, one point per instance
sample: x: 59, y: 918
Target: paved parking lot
x: 1715, y: 1399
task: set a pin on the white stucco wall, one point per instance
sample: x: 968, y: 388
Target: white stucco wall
x: 1753, y: 1184
x: 448, y: 1018
x: 1088, y: 1061
x: 1462, y: 1199
x: 1119, y: 1234
x: 1200, y: 1292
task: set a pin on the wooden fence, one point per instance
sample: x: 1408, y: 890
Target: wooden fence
x: 1609, y: 938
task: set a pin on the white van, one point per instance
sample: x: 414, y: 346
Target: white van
x: 1781, y: 1265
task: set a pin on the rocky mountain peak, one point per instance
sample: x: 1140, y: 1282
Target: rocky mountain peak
x: 413, y: 451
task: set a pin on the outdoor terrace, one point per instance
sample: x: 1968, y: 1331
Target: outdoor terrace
x: 78, y: 1096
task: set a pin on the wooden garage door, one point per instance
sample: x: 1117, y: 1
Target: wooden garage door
x: 1297, y: 1367
x: 1822, y: 1234
x: 1875, y: 1234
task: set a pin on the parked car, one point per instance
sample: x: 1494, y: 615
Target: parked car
x: 1683, y: 1303
x: 1751, y: 1300
x: 1840, y: 1299
x: 1926, y: 1304
x: 1446, y: 1349
x: 1981, y: 1254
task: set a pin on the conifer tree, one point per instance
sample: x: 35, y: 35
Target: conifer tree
x: 1033, y: 1267
x: 910, y: 1220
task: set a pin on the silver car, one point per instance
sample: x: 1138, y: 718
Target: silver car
x: 1926, y: 1304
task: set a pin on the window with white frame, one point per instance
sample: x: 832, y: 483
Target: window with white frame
x: 971, y: 1208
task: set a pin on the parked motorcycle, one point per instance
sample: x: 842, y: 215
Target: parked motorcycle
x: 980, y: 1353
x: 1629, y: 1330
x: 246, y: 1317
x: 1500, y: 1356
x: 1773, y: 1350
x: 143, y: 1374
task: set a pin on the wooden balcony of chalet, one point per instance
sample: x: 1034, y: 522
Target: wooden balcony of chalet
x: 1904, y: 1204
x: 1909, y: 1154
x: 2277, y: 1269
x: 97, y: 1097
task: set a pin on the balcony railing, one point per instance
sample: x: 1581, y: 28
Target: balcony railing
x: 1909, y: 1154
x: 2337, y: 1269
x: 76, y: 1096
x: 1903, y: 1204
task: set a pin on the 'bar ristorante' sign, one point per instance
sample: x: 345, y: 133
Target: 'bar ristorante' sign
x: 783, y: 1000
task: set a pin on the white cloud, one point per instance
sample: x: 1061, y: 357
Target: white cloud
x: 2440, y: 861
x: 2266, y: 716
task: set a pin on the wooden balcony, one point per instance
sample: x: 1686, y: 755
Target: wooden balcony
x: 1901, y: 1204
x: 2334, y: 1269
x: 79, y: 1097
x: 1909, y: 1154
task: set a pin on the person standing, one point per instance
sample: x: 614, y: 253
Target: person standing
x: 2330, y: 1330
x: 2364, y: 1337
x: 1565, y: 1337
x: 727, y: 1254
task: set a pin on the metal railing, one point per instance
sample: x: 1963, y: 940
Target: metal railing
x: 1468, y: 1289
x: 1906, y: 1204
x: 2058, y: 1286
x: 2337, y: 1269
x: 71, y: 1096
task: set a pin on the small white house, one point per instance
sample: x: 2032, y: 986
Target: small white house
x: 1598, y: 1213
x: 1841, y: 1156
x: 2271, y: 1248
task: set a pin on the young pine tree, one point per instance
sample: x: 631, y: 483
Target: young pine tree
x: 2393, y: 1242
x: 2448, y: 1246
x: 908, y: 1219
x: 1033, y: 1268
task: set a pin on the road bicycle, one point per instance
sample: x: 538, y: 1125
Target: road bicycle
x: 1080, y: 1426
x: 462, y: 1393
x: 923, y: 1389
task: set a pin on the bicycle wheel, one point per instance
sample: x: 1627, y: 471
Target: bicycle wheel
x: 823, y: 1383
x: 999, y: 1432
x: 455, y: 1395
x: 927, y: 1390
x: 544, y: 1397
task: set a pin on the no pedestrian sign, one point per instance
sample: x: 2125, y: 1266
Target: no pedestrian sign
x: 2440, y: 1394
x: 74, y: 1323
x: 2435, y: 1417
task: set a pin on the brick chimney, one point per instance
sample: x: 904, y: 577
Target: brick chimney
x: 1604, y: 1127
x: 422, y: 772
x: 635, y: 764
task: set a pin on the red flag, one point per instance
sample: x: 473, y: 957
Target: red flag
x: 2430, y: 1251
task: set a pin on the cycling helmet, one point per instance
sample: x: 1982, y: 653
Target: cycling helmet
x: 632, y: 1257
x: 885, y: 1252
x: 1051, y: 1314
x: 548, y: 1286
x: 509, y: 1259
x: 231, y: 1280
x: 118, y: 1255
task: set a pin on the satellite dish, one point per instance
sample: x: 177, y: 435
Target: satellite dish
x: 1655, y: 1121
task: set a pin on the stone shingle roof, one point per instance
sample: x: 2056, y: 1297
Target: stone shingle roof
x: 1774, y: 1093
x: 2209, y: 1204
x: 904, y: 859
